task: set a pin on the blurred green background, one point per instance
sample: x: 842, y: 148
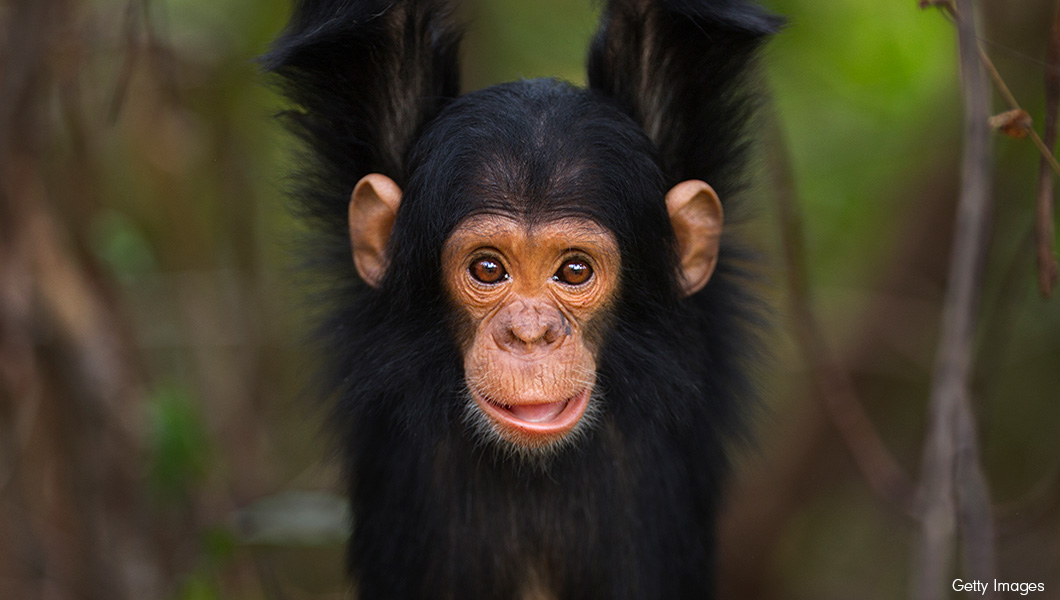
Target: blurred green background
x: 156, y: 439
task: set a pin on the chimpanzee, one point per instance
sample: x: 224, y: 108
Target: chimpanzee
x: 534, y: 383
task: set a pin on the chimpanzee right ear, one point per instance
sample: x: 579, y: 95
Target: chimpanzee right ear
x: 364, y: 77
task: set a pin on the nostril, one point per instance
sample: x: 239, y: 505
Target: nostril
x: 558, y: 328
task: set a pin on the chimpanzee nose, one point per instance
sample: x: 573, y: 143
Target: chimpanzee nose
x: 525, y: 326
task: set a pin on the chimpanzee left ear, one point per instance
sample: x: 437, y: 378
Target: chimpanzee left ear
x: 373, y: 206
x: 696, y: 216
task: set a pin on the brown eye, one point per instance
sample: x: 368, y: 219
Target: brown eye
x: 574, y: 272
x: 487, y: 270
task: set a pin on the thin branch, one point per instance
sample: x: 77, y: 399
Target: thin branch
x: 1045, y: 236
x: 881, y: 470
x: 1014, y: 104
x: 952, y: 483
x: 1048, y: 270
x: 950, y: 9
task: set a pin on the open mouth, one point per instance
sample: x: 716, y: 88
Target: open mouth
x: 545, y: 418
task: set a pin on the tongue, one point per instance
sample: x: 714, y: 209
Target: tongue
x: 538, y: 413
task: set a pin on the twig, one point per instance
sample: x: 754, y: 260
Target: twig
x: 1014, y: 104
x: 951, y: 476
x: 1048, y: 269
x: 950, y: 9
x: 883, y: 473
x: 1044, y: 233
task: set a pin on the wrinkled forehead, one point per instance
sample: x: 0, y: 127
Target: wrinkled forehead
x: 563, y: 232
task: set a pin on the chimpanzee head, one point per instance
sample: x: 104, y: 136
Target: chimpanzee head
x: 512, y: 231
x: 534, y: 204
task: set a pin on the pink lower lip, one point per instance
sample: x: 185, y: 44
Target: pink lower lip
x: 538, y: 413
x: 539, y: 419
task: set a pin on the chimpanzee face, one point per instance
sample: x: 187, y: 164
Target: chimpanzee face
x: 533, y: 297
x: 532, y: 282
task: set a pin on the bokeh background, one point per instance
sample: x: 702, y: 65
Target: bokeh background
x: 156, y: 439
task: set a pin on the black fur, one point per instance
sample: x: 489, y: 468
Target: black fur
x: 628, y: 510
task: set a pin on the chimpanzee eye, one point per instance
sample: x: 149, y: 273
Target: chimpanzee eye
x: 487, y: 270
x: 574, y: 272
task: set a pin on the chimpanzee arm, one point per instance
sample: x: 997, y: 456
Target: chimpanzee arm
x: 364, y: 76
x: 679, y: 68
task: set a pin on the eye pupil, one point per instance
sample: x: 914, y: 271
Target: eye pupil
x: 574, y: 272
x: 487, y: 270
